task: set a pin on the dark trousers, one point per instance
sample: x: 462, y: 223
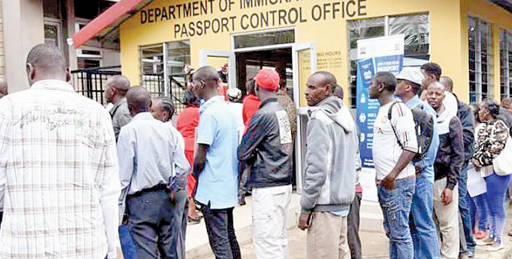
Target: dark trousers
x: 219, y: 225
x: 353, y: 228
x: 149, y: 220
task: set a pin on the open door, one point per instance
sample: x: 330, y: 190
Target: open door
x: 217, y: 59
x: 304, y: 64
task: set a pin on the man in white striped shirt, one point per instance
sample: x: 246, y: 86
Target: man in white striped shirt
x: 59, y: 180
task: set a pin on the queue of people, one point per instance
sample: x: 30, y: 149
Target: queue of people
x: 421, y: 184
x: 76, y: 181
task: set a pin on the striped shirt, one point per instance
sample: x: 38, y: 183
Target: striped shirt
x: 59, y: 176
x: 386, y: 150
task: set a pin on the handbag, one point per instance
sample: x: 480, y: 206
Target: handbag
x: 502, y: 164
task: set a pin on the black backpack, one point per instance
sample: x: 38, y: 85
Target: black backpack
x: 424, y: 127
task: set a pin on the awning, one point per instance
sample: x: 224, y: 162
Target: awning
x: 108, y: 20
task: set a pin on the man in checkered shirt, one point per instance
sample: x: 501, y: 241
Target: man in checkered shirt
x: 59, y: 176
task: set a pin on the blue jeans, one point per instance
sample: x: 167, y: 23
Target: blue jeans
x: 179, y: 221
x: 423, y: 229
x: 496, y: 194
x: 479, y: 211
x: 465, y: 213
x: 396, y: 207
x: 127, y: 244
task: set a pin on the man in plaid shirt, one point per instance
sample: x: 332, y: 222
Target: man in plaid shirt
x: 59, y: 176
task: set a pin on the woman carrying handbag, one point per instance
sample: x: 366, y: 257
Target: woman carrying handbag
x: 493, y: 145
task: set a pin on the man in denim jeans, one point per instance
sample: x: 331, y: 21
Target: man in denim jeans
x: 216, y: 165
x: 423, y: 229
x: 395, y: 174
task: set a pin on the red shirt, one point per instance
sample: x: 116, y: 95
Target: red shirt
x: 251, y: 104
x: 186, y: 124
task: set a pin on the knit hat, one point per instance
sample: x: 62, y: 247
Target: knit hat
x: 267, y: 79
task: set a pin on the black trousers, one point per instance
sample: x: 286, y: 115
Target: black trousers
x: 221, y: 233
x: 149, y: 221
x: 353, y: 228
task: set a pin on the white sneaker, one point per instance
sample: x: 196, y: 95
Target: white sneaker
x: 485, y: 242
x: 495, y: 247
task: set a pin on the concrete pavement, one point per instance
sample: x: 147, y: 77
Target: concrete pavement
x: 373, y: 238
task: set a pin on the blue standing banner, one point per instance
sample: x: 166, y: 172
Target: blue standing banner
x: 373, y: 56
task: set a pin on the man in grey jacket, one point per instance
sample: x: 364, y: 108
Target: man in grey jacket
x: 330, y: 177
x: 115, y: 92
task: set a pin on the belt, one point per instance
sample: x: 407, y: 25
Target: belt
x: 158, y: 187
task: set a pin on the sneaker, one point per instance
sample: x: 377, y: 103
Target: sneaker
x: 495, y: 247
x: 485, y: 242
x: 481, y: 234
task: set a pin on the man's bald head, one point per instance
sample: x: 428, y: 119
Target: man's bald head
x: 447, y: 82
x: 138, y: 100
x: 206, y: 82
x: 120, y: 83
x: 45, y: 61
x: 116, y: 88
x: 3, y: 87
x: 209, y: 75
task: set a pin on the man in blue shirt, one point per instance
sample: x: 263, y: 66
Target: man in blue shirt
x: 423, y: 230
x: 216, y: 165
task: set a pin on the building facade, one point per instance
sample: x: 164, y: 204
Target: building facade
x: 26, y: 23
x: 470, y: 39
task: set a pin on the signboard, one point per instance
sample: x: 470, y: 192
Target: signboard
x: 373, y: 55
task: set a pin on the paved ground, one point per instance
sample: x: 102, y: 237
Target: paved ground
x: 374, y: 240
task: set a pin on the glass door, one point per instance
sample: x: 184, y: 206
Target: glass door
x: 219, y: 60
x: 304, y: 64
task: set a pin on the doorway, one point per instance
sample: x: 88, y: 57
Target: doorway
x: 249, y: 63
x: 294, y: 61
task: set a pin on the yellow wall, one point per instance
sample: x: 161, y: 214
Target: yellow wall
x: 448, y: 32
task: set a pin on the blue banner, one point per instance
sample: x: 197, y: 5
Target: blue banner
x: 368, y: 108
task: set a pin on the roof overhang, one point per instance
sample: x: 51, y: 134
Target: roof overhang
x: 108, y: 20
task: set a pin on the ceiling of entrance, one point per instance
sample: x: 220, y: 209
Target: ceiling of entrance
x: 506, y: 4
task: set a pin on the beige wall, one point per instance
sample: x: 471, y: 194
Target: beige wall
x: 2, y: 51
x: 22, y: 30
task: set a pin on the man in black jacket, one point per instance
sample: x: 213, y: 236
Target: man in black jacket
x: 467, y: 241
x: 267, y: 149
x: 449, y: 160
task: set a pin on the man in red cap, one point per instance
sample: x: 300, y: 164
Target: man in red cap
x: 267, y: 148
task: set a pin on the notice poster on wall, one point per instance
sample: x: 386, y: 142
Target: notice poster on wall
x: 373, y: 56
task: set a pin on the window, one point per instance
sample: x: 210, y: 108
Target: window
x: 415, y: 28
x: 162, y: 69
x: 506, y: 63
x: 480, y: 59
x: 88, y: 57
x: 53, y: 32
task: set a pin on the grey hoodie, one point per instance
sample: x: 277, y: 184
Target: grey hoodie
x: 332, y: 144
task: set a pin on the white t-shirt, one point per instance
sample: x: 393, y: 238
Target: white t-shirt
x: 386, y: 150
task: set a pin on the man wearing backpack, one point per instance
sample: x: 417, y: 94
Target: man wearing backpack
x: 449, y: 161
x: 423, y: 229
x: 395, y: 174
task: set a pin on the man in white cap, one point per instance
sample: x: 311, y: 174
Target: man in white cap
x: 423, y: 230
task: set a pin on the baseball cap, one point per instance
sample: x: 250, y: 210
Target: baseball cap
x: 267, y: 79
x: 412, y: 74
